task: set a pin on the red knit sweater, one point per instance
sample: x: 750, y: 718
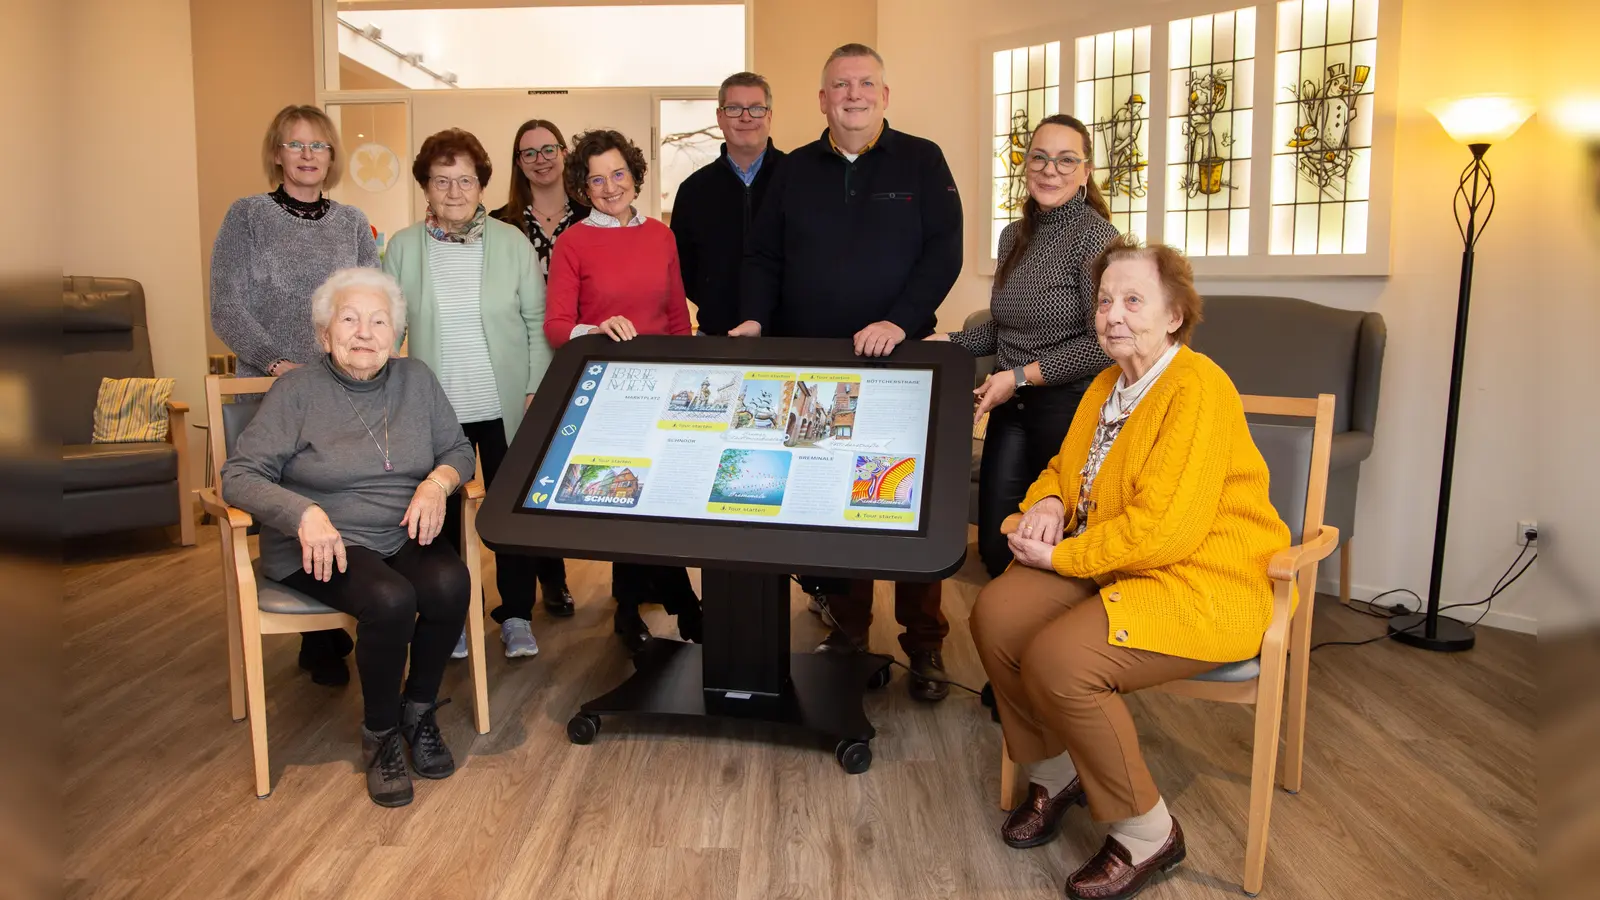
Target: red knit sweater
x: 597, y: 273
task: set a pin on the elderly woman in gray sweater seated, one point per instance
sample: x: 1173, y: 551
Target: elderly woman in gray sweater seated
x: 347, y: 465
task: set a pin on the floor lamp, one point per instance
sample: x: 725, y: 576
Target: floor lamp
x: 1477, y: 122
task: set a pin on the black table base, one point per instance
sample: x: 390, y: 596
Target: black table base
x: 745, y: 671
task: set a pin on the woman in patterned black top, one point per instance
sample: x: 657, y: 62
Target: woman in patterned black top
x: 1042, y: 332
x: 538, y: 203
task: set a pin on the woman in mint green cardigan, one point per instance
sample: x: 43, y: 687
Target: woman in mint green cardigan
x: 475, y: 298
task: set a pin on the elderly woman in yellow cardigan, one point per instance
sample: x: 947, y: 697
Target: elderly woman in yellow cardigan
x: 1141, y: 558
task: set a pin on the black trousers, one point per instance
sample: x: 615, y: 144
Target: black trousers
x: 414, y: 601
x: 1024, y: 434
x: 634, y: 583
x: 515, y: 575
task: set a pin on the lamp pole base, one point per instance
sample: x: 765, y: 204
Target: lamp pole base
x: 1450, y: 636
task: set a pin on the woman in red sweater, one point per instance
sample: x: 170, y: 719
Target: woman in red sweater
x: 616, y: 273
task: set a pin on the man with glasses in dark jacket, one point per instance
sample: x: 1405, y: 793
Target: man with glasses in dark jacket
x: 715, y: 205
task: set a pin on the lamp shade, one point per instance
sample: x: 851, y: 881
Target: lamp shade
x: 1481, y: 119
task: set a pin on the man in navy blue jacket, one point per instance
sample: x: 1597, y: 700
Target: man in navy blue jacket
x: 859, y: 238
x: 716, y: 205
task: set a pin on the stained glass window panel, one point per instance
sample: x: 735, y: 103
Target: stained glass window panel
x: 1027, y: 88
x: 1322, y: 126
x: 1211, y: 76
x: 1113, y: 90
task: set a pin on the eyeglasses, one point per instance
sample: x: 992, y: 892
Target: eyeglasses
x: 548, y: 151
x: 620, y: 176
x: 1065, y: 164
x: 443, y: 184
x: 314, y: 146
x: 734, y: 112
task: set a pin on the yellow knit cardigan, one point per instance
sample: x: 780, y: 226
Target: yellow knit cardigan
x: 1180, y: 525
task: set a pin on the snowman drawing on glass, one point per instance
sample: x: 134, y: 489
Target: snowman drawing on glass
x: 1322, y: 133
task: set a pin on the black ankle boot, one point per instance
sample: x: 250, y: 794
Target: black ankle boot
x: 429, y: 755
x: 388, y: 782
x: 322, y: 654
x: 691, y: 626
x: 630, y: 627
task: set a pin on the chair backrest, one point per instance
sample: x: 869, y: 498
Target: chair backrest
x: 103, y: 336
x: 1297, y: 457
x: 1285, y: 347
x: 986, y: 364
x: 228, y: 420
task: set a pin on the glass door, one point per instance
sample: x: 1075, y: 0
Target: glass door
x: 376, y: 136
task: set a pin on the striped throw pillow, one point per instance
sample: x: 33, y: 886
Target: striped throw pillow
x: 131, y: 409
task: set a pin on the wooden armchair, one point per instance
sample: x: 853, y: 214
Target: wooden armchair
x: 256, y: 605
x: 1297, y: 457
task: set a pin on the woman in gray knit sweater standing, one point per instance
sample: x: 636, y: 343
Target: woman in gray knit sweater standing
x: 272, y: 253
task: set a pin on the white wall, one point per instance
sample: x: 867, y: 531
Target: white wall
x: 594, y: 46
x: 133, y: 196
x: 931, y: 47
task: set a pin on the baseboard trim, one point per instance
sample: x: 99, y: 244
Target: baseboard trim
x: 1495, y: 618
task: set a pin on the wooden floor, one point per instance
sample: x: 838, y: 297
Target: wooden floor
x: 1419, y: 778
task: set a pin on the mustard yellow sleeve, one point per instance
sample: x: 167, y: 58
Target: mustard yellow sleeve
x: 1177, y: 494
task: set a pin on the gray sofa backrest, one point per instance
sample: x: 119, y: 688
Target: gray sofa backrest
x: 1284, y: 347
x: 103, y: 336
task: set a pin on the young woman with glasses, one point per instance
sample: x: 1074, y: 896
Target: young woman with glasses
x: 1042, y: 330
x: 272, y: 253
x: 537, y: 201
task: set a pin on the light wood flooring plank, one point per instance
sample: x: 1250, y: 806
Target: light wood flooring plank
x: 1418, y: 776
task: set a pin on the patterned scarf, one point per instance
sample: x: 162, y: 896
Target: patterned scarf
x: 472, y: 234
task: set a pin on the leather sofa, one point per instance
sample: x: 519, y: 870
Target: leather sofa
x: 115, y: 487
x: 1287, y: 347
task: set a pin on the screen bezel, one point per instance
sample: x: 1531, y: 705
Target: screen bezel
x: 935, y: 549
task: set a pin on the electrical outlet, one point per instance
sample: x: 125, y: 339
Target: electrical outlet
x: 1523, y: 528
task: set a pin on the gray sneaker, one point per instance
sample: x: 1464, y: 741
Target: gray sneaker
x: 460, y: 652
x: 517, y: 635
x: 388, y: 781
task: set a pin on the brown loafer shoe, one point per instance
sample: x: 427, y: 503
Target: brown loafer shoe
x: 928, y: 681
x: 1110, y: 875
x: 1038, y: 819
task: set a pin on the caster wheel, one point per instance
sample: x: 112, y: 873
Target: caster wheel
x: 582, y: 728
x: 879, y: 678
x: 854, y: 757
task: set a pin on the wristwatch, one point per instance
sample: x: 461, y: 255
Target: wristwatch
x: 1021, y: 374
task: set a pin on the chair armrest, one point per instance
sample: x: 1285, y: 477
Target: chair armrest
x: 177, y: 406
x: 1349, y: 448
x: 232, y: 515
x: 1286, y: 564
x: 472, y: 490
x: 1011, y: 523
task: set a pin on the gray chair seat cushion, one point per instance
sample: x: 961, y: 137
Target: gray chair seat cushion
x: 87, y: 467
x: 273, y: 597
x: 1233, y: 672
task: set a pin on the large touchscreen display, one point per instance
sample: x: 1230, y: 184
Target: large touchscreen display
x: 832, y: 447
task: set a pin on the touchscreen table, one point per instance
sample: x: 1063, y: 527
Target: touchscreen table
x: 753, y: 459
